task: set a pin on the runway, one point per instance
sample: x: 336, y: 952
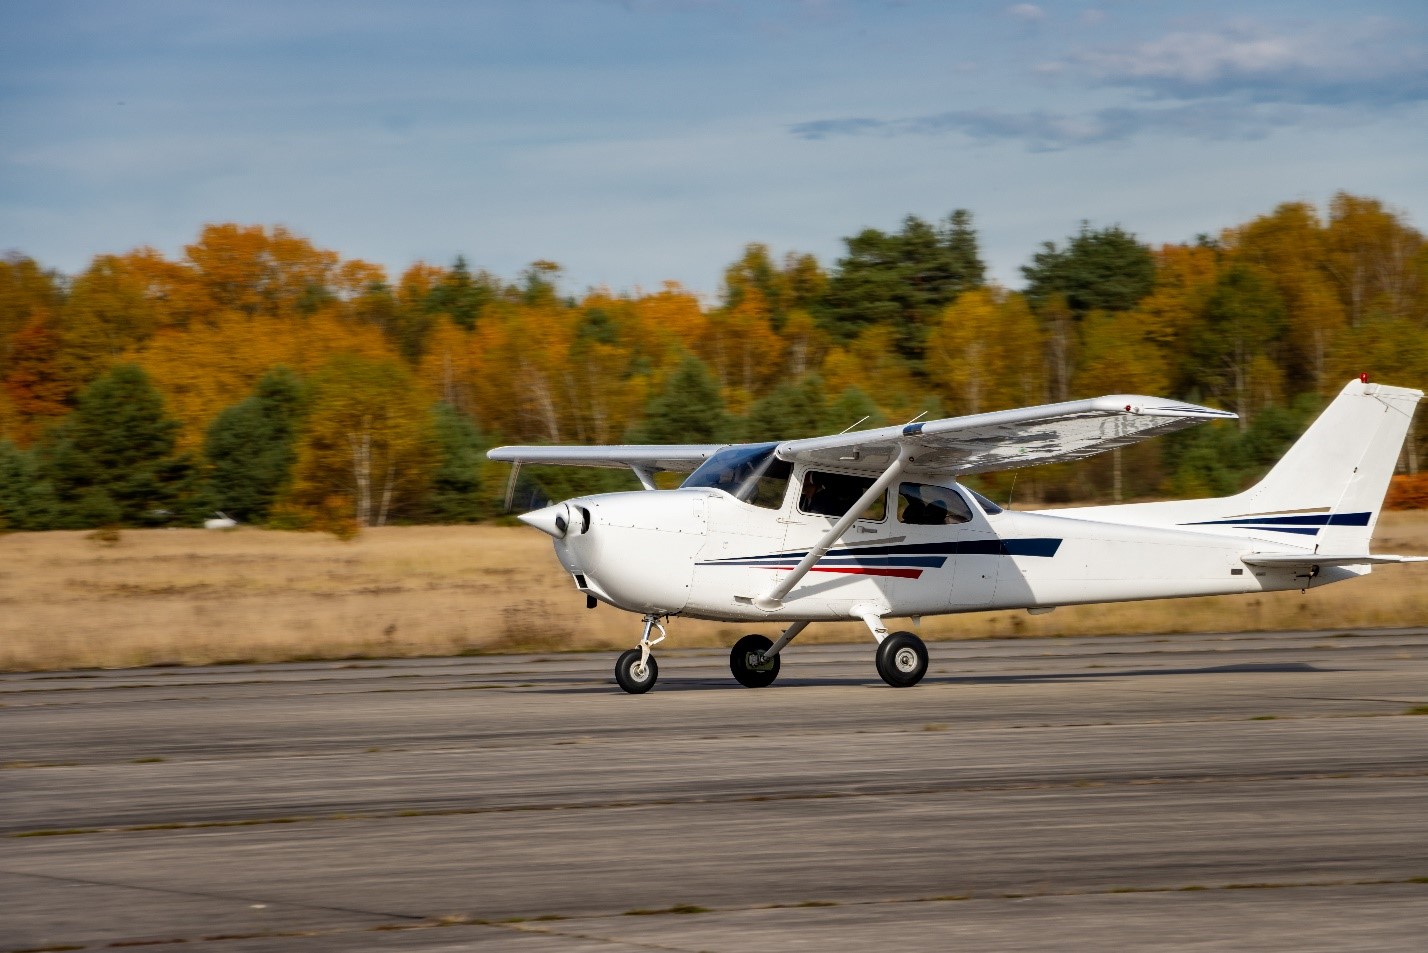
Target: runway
x: 1223, y: 792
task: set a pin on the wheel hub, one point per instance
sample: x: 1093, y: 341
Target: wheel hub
x: 905, y: 660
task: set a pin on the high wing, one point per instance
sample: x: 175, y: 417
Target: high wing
x: 678, y: 458
x: 1006, y: 439
x: 1000, y: 440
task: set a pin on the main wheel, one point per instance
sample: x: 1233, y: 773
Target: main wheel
x: 748, y: 665
x: 633, y: 677
x: 902, y: 659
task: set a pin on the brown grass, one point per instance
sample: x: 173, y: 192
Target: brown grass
x: 198, y: 596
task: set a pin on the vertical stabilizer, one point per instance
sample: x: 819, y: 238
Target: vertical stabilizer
x: 1330, y: 485
x: 1324, y: 494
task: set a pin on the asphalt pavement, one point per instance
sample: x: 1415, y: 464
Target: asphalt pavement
x: 1192, y: 792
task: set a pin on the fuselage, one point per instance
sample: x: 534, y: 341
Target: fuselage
x: 704, y: 553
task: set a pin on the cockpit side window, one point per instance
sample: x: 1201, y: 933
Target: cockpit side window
x: 988, y: 507
x: 833, y: 494
x: 750, y: 473
x: 920, y: 504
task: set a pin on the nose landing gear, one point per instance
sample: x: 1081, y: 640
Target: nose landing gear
x: 636, y: 670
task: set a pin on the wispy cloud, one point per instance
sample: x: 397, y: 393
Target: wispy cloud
x: 1369, y: 64
x: 1242, y: 81
x: 1046, y: 131
x: 1026, y: 13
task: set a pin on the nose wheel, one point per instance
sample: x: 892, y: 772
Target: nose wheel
x: 902, y: 659
x: 636, y: 670
x: 633, y: 675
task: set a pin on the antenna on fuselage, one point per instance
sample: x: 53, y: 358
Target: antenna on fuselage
x: 853, y: 424
x: 1011, y: 489
x: 917, y: 418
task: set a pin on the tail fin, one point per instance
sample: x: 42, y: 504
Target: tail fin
x: 1330, y: 485
x: 1325, y: 493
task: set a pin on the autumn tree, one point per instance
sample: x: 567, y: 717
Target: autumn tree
x: 251, y: 446
x: 1375, y: 260
x: 368, y: 440
x: 984, y: 353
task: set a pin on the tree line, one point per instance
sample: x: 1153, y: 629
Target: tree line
x: 286, y: 385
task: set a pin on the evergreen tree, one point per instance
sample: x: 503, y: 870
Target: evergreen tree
x: 26, y: 501
x: 688, y: 409
x: 903, y: 280
x: 461, y: 295
x: 251, y: 447
x: 1099, y: 270
x: 796, y: 408
x: 455, y: 495
x: 113, y: 460
x: 852, y: 409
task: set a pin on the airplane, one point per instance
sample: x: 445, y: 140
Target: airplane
x: 874, y: 525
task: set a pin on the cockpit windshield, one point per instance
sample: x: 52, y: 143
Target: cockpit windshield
x: 750, y: 473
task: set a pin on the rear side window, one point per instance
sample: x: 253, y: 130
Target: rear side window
x: 920, y: 504
x: 833, y: 494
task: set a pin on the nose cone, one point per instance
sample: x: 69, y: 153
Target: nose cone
x: 552, y: 520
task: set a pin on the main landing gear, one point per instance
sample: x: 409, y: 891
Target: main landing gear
x: 902, y: 659
x: 750, y: 663
x: 754, y: 661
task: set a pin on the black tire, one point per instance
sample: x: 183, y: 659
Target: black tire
x: 631, y: 681
x: 741, y: 662
x: 902, y: 660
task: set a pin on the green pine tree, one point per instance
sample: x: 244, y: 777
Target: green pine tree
x: 1103, y: 269
x: 251, y: 446
x: 688, y: 409
x: 113, y: 460
x: 455, y: 495
x: 794, y: 409
x: 26, y: 500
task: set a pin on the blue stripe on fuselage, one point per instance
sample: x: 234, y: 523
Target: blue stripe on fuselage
x: 928, y: 555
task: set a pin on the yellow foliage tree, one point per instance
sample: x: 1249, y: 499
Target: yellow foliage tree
x: 872, y: 364
x: 985, y: 352
x: 203, y: 369
x: 742, y: 349
x: 368, y: 438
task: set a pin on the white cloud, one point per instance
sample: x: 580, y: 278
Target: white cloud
x: 1339, y: 64
x: 1027, y: 12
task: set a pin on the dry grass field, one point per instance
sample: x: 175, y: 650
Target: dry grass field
x: 199, y: 596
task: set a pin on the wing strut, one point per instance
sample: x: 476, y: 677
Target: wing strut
x: 773, y: 599
x: 511, y: 485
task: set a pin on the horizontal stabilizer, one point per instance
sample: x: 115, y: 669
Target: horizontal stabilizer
x: 1310, y: 560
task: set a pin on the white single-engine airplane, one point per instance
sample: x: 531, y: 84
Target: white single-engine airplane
x: 873, y: 525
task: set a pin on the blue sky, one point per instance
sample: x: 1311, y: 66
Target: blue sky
x: 634, y: 141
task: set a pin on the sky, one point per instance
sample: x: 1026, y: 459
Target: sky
x: 639, y: 141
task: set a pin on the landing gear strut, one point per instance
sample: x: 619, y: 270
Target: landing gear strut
x: 636, y: 670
